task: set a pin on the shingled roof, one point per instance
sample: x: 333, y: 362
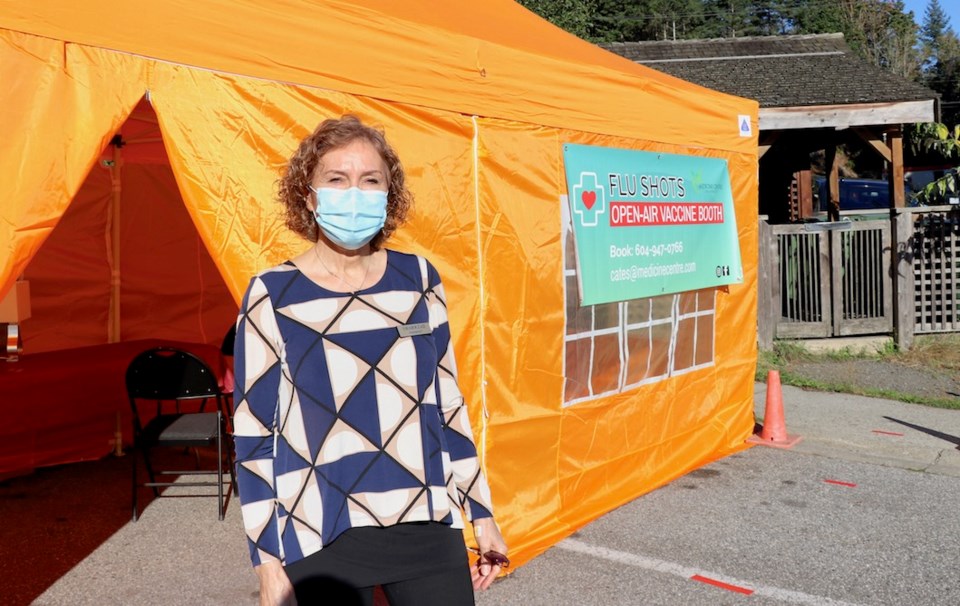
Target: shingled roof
x: 781, y: 71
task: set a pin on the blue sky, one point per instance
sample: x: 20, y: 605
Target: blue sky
x: 951, y: 7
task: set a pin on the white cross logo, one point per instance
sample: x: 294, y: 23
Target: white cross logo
x: 588, y: 200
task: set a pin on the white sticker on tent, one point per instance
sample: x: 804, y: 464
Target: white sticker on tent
x: 746, y: 128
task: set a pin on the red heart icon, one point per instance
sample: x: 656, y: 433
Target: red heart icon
x: 589, y: 198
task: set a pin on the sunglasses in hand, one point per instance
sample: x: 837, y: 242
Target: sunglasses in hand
x: 493, y: 558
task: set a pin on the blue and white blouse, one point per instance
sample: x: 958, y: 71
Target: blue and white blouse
x: 348, y: 411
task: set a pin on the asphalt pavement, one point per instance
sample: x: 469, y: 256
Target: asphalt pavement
x: 863, y: 510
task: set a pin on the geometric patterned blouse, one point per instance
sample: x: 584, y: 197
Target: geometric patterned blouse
x: 348, y: 411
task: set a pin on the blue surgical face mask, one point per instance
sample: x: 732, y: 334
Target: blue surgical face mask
x: 351, y: 217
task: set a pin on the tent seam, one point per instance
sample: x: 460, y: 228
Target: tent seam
x: 480, y: 271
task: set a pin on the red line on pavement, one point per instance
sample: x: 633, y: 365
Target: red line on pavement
x: 839, y: 483
x: 887, y: 433
x: 721, y: 584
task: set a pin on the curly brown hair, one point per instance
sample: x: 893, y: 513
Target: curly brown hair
x: 294, y: 187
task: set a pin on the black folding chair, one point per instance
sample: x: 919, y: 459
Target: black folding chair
x: 176, y: 379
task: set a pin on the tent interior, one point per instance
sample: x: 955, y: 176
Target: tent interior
x: 123, y: 270
x: 125, y: 262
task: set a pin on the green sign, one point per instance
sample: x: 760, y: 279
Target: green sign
x: 648, y: 224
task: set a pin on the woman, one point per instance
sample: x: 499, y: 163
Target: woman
x: 354, y: 449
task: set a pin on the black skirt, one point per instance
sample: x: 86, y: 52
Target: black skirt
x: 367, y: 556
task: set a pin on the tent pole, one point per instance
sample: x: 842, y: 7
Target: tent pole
x: 113, y: 248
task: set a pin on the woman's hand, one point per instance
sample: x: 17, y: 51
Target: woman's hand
x: 275, y: 586
x: 488, y: 538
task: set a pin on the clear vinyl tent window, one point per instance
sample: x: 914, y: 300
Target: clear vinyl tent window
x: 612, y: 347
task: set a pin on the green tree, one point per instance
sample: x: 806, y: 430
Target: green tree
x: 936, y: 23
x: 882, y: 33
x: 814, y: 18
x: 624, y: 21
x: 726, y: 19
x: 945, y: 78
x: 574, y: 16
x: 940, y: 61
x: 672, y: 19
x: 938, y: 140
x: 934, y: 34
x: 767, y: 18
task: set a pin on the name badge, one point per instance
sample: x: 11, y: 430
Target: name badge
x: 409, y: 330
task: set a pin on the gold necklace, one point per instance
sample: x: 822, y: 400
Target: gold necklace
x: 337, y: 276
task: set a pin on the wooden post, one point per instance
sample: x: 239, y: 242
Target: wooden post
x: 895, y: 174
x: 833, y: 183
x: 766, y: 272
x: 118, y: 438
x: 113, y: 249
x: 901, y: 265
x: 805, y: 193
x: 836, y: 279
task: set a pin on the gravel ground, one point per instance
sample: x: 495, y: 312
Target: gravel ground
x: 881, y: 374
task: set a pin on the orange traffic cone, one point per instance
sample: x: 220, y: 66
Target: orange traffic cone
x: 774, y: 431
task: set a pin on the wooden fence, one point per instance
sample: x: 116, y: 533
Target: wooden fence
x: 935, y: 246
x: 896, y: 272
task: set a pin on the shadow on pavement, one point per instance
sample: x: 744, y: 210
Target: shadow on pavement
x: 933, y: 432
x: 57, y: 516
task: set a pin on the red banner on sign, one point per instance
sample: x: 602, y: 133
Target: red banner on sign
x: 640, y: 214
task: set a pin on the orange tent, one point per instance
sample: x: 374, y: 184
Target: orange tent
x: 157, y: 233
